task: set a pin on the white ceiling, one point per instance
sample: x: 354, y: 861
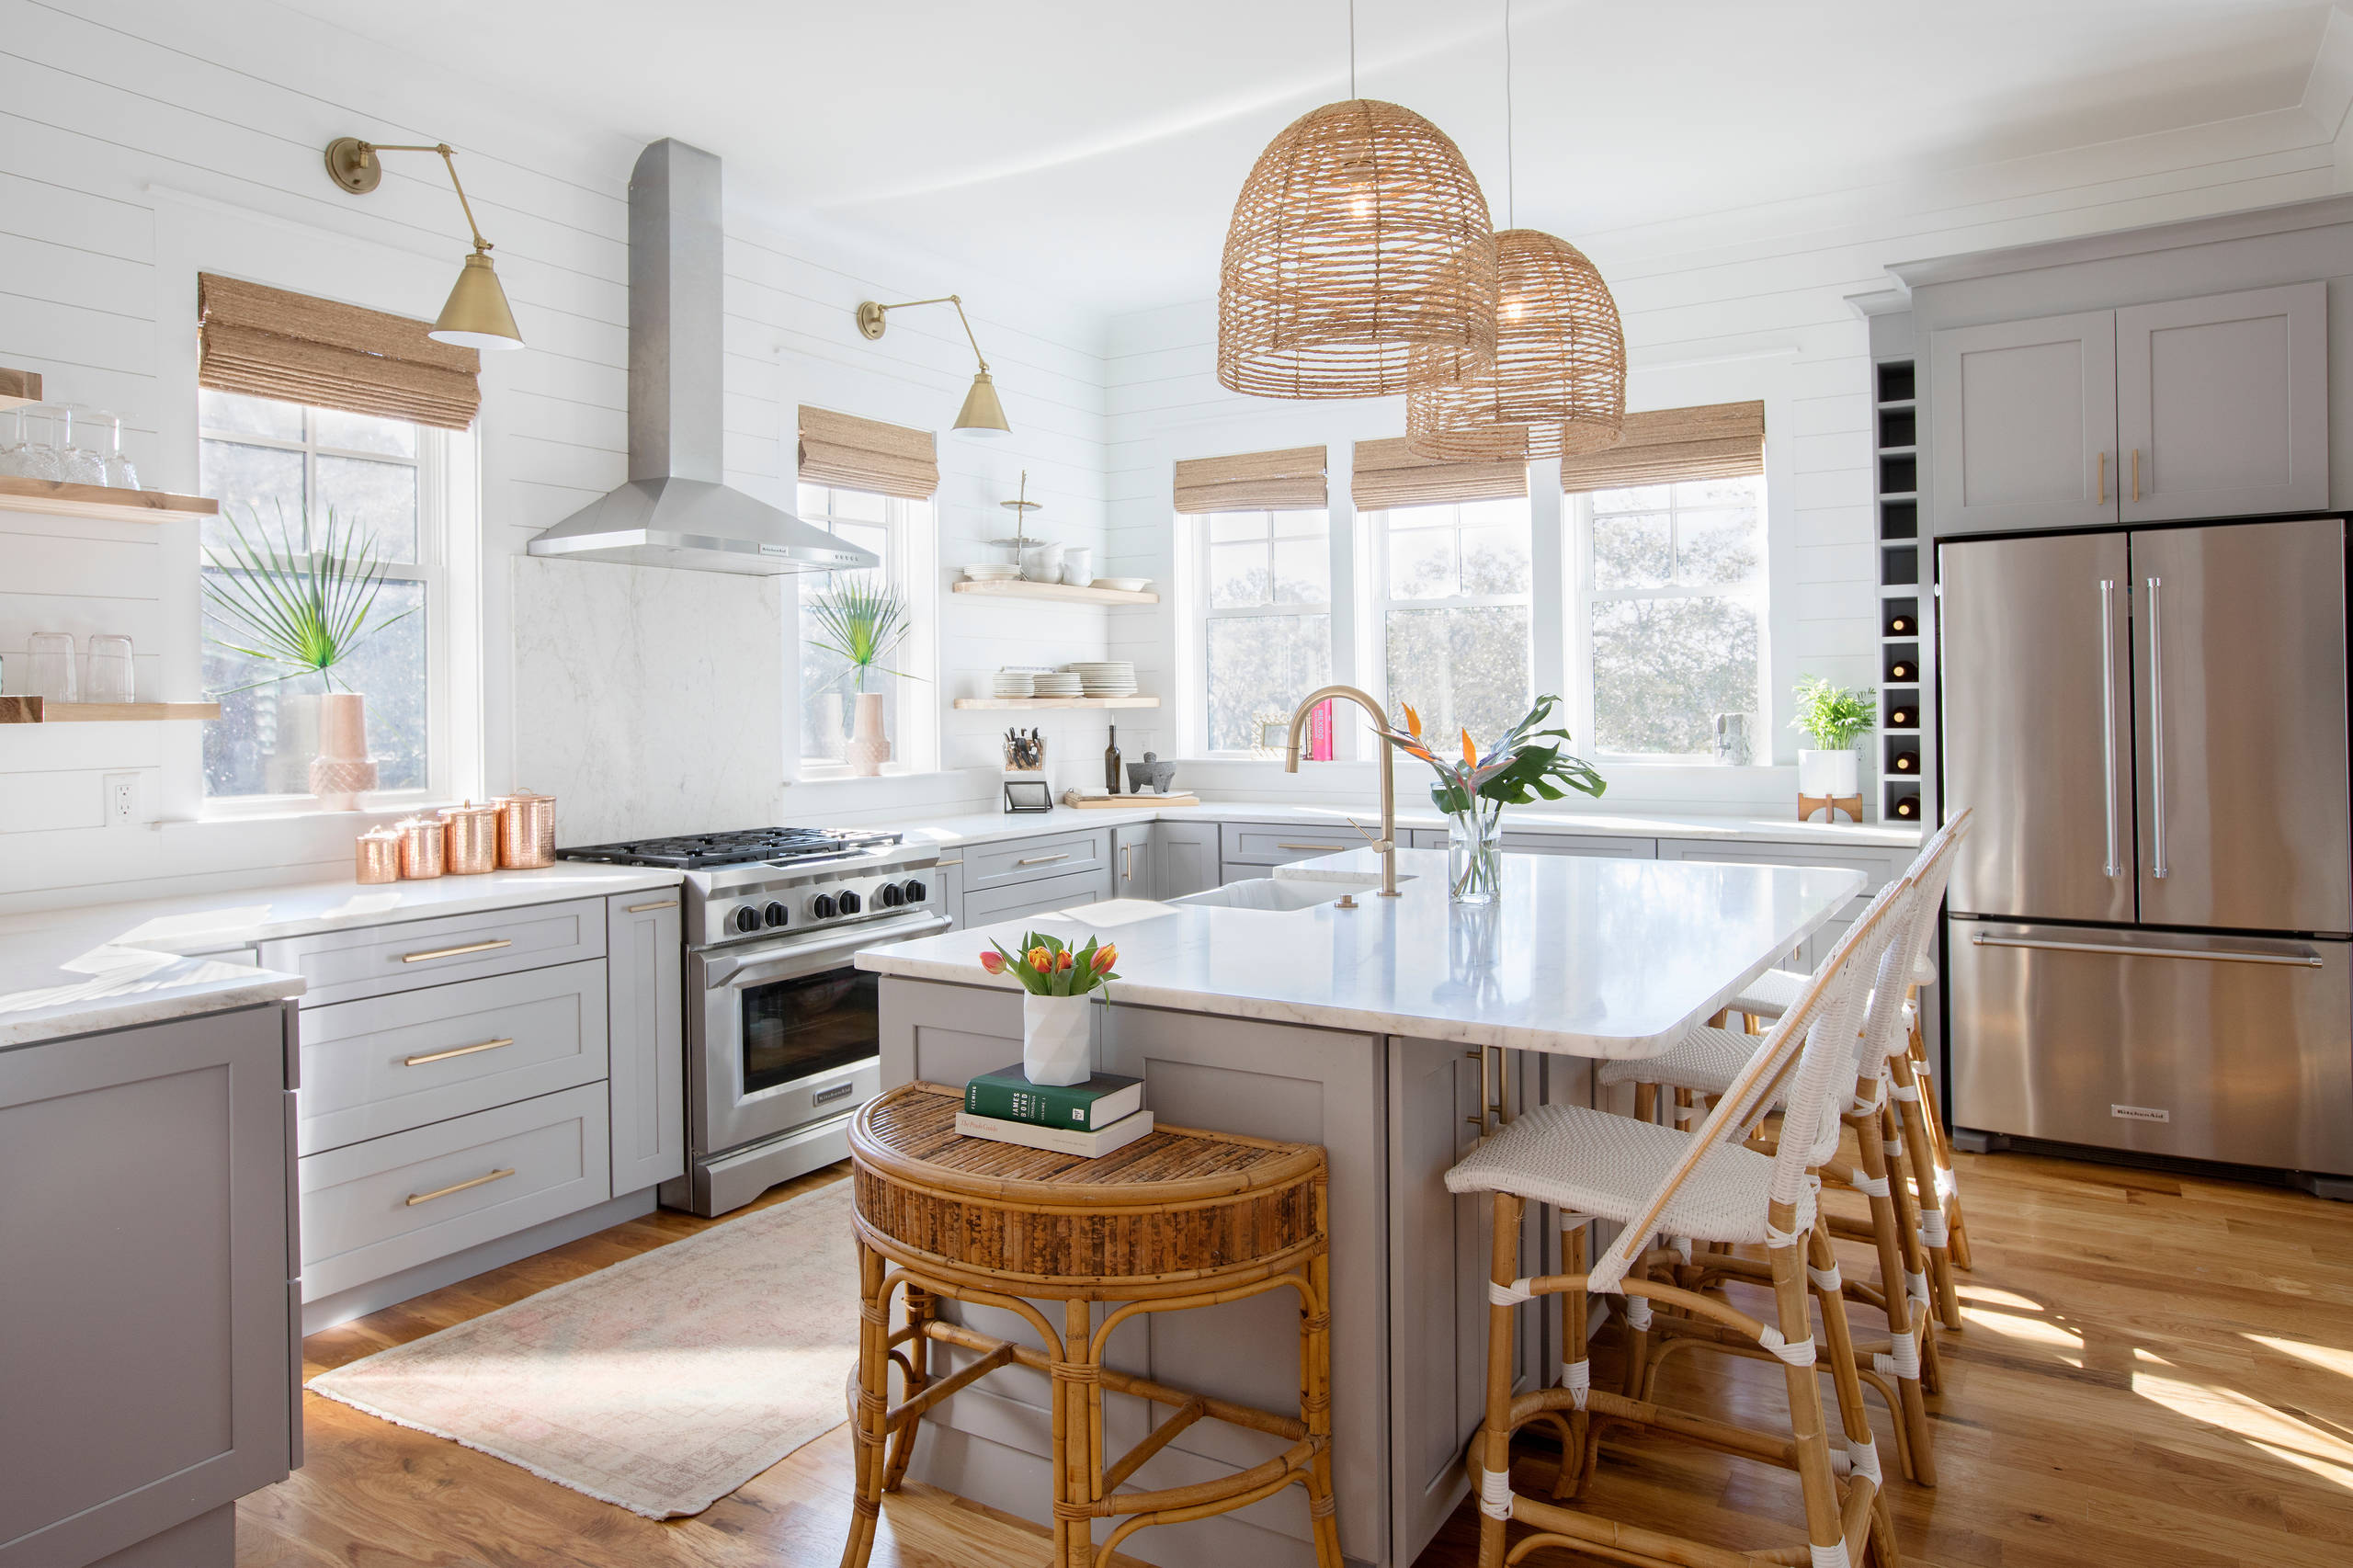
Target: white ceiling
x: 1097, y: 148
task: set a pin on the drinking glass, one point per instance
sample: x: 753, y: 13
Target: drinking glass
x: 53, y: 675
x: 77, y: 464
x: 33, y: 456
x: 120, y: 474
x: 111, y: 677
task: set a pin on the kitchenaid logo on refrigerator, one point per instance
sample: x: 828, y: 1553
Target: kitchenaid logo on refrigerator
x: 2140, y: 1113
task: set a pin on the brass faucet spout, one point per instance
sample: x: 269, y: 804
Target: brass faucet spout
x: 1387, y: 847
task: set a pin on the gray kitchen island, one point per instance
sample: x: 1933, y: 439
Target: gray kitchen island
x: 1390, y: 1031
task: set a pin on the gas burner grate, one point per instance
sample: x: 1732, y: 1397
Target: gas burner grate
x: 691, y: 852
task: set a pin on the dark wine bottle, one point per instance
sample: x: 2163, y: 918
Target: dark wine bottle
x: 1907, y: 762
x: 1902, y: 717
x: 1907, y: 808
x: 1111, y: 762
x: 1903, y: 669
x: 1901, y: 624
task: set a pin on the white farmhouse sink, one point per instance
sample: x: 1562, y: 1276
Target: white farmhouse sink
x: 1284, y: 892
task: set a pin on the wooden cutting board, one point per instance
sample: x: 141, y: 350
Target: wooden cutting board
x: 1099, y: 801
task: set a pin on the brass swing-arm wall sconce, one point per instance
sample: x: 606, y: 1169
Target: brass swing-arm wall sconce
x: 982, y: 416
x: 477, y: 316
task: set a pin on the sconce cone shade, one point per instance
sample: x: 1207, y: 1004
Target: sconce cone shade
x: 1360, y: 237
x: 982, y: 416
x: 1557, y: 384
x: 477, y: 316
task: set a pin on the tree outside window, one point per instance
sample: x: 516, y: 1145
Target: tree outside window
x: 1457, y: 594
x: 1267, y: 632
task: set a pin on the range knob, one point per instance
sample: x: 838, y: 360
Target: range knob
x: 915, y: 892
x: 746, y: 919
x: 851, y: 904
x: 822, y: 906
x: 889, y: 896
x: 777, y: 915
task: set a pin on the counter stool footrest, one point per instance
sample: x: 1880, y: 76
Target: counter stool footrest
x: 1159, y: 1438
x: 1291, y: 1462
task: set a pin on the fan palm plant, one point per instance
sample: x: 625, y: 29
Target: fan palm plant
x: 863, y: 622
x: 304, y: 610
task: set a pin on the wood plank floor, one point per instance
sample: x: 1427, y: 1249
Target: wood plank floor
x: 2157, y: 1372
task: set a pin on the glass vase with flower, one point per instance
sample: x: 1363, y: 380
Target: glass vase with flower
x: 1528, y: 763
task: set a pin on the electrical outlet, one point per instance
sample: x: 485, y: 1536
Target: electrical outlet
x: 122, y: 799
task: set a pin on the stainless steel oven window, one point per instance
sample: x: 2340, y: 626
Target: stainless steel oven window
x: 798, y: 1027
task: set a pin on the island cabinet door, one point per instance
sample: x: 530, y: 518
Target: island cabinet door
x: 147, y: 1357
x: 1439, y: 1251
x: 644, y: 971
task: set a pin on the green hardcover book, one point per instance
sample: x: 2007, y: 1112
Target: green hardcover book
x: 1007, y: 1095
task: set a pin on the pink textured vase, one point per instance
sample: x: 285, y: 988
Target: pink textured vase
x: 869, y: 747
x: 341, y: 772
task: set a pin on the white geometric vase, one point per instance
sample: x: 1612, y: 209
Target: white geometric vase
x: 1057, y: 1039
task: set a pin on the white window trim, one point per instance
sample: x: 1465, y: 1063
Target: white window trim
x: 1577, y: 627
x: 910, y: 563
x: 1380, y: 603
x: 447, y: 523
x: 1193, y: 541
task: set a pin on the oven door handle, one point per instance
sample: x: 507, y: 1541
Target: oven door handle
x: 722, y: 971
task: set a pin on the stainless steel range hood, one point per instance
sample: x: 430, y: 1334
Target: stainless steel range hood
x: 674, y: 510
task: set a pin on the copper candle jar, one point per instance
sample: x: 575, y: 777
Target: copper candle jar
x: 474, y: 839
x: 377, y: 854
x: 421, y: 845
x: 525, y: 830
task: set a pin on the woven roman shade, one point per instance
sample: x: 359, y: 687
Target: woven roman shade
x: 275, y: 343
x: 1389, y: 474
x: 1716, y: 440
x: 866, y: 454
x: 1288, y: 481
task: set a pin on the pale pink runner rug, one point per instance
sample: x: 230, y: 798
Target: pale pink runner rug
x: 661, y: 1383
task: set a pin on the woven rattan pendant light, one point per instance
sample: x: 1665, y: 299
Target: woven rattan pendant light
x: 1556, y: 385
x: 1360, y: 238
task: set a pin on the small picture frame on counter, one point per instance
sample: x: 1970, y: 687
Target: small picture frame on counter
x: 1032, y: 793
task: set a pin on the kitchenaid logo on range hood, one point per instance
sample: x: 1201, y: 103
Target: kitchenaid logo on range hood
x: 677, y: 509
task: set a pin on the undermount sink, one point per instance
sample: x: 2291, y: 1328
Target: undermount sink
x: 1284, y: 892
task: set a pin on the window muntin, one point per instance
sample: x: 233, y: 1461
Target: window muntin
x: 893, y: 530
x: 1455, y: 601
x: 1267, y: 619
x: 277, y: 468
x: 1673, y: 599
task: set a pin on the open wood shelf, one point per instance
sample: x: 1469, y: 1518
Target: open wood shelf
x: 1014, y: 588
x: 1058, y: 702
x: 100, y: 501
x: 40, y: 711
x: 18, y: 388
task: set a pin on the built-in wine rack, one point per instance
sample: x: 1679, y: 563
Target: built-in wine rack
x: 1896, y: 465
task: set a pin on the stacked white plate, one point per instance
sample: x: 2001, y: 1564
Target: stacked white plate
x: 1062, y: 683
x: 1111, y: 677
x: 1013, y: 683
x: 991, y: 571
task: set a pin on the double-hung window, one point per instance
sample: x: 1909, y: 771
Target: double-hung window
x: 899, y: 532
x: 1457, y: 594
x: 1267, y: 618
x: 279, y: 471
x: 1672, y: 580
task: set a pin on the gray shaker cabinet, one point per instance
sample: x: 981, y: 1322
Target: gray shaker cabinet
x: 1184, y: 858
x: 2222, y: 404
x: 2024, y: 418
x: 646, y: 977
x: 147, y: 1347
x: 1133, y: 873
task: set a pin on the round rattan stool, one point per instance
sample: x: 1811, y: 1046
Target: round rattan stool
x: 1177, y: 1219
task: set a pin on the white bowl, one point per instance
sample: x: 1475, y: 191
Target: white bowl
x: 1123, y: 585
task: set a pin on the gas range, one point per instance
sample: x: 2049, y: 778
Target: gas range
x: 783, y: 882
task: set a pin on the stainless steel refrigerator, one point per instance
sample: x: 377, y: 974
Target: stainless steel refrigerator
x: 2148, y: 940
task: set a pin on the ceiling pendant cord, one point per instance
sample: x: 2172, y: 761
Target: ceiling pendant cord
x: 1511, y: 172
x: 1352, y: 48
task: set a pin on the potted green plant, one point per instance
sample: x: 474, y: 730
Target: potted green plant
x: 305, y: 610
x: 864, y: 623
x: 1527, y: 764
x: 1836, y: 716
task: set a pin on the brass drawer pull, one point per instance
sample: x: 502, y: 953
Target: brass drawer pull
x: 417, y: 1197
x: 461, y: 1050
x: 657, y: 903
x: 1333, y: 847
x: 1042, y: 860
x: 958, y: 861
x: 453, y: 953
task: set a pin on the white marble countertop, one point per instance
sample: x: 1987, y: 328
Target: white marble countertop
x: 69, y: 972
x: 983, y: 828
x: 1580, y: 955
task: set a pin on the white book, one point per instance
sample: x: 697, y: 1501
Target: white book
x: 1057, y: 1140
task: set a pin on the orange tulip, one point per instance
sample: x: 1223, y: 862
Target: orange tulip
x: 1062, y: 960
x: 994, y: 962
x: 1105, y: 958
x: 1041, y: 960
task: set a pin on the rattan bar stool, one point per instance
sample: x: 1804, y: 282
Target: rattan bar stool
x: 1178, y: 1218
x: 1709, y: 1186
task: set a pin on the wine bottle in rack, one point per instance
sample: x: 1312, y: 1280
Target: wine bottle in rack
x: 1907, y: 808
x: 1902, y: 624
x: 1903, y: 716
x: 1905, y: 762
x: 1903, y: 667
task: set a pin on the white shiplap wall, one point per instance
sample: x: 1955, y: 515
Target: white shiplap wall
x: 1743, y: 304
x: 140, y: 140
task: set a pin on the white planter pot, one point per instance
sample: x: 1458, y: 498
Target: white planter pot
x: 869, y: 747
x: 1057, y: 1039
x: 1832, y: 773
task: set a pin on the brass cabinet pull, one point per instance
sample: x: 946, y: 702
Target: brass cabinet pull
x: 2101, y: 499
x: 1334, y: 849
x: 453, y: 953
x: 1041, y: 859
x: 958, y: 861
x: 417, y: 1197
x: 657, y: 903
x: 460, y: 1050
x: 2136, y: 473
x: 1126, y: 862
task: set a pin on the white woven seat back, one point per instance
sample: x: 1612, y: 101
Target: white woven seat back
x: 1932, y: 870
x: 1806, y: 1050
x: 1884, y: 1027
x: 1824, y: 1077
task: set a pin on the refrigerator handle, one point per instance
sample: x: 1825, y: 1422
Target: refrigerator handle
x: 2107, y: 715
x: 2157, y: 731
